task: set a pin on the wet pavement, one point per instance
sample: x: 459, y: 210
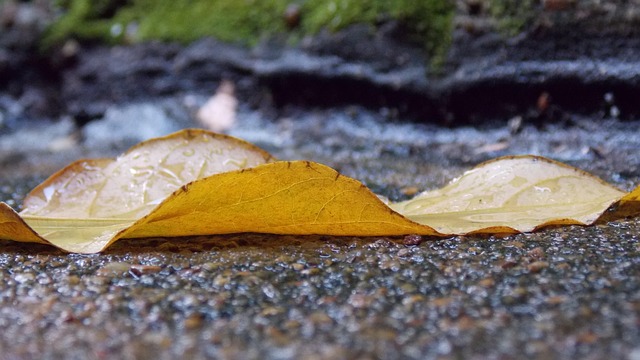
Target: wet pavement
x: 568, y: 292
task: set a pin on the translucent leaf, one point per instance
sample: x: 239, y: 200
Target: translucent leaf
x: 516, y: 193
x: 81, y: 207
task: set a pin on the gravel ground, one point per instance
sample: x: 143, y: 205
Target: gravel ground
x: 569, y: 292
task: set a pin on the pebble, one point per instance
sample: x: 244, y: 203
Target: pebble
x: 413, y: 299
x: 404, y: 252
x: 537, y: 266
x: 211, y: 266
x: 360, y: 300
x: 144, y: 269
x: 487, y: 282
x: 193, y: 321
x: 536, y: 253
x: 508, y: 264
x: 114, y: 268
x: 24, y: 277
x: 320, y: 318
x: 412, y: 240
x: 311, y: 271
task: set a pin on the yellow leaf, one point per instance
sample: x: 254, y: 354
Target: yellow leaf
x: 298, y: 197
x: 199, y: 183
x: 12, y: 227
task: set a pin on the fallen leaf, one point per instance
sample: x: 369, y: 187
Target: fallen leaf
x: 510, y: 194
x: 198, y: 183
x: 84, y: 205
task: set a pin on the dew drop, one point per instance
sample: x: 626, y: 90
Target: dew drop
x: 48, y: 192
x: 239, y: 163
x: 188, y: 152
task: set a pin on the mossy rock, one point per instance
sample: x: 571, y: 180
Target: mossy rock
x: 244, y: 21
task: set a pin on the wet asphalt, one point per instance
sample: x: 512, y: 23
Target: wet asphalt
x: 566, y: 293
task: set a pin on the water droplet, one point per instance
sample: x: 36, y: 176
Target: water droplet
x: 48, y: 192
x: 188, y: 152
x: 239, y: 163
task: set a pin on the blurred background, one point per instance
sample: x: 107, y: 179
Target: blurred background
x: 449, y: 83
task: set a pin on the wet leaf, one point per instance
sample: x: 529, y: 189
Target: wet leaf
x: 198, y: 183
x: 81, y: 207
x: 519, y: 193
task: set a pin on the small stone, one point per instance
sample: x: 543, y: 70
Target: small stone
x: 404, y: 252
x: 487, y: 282
x: 474, y: 250
x: 390, y: 265
x: 413, y: 299
x: 145, y: 269
x: 114, y: 268
x: 412, y: 240
x: 508, y: 264
x: 158, y: 339
x: 311, y: 271
x: 291, y: 324
x: 514, y: 243
x: 271, y: 311
x: 73, y: 280
x: 441, y: 302
x: 465, y: 323
x: 276, y: 336
x: 537, y: 266
x: 543, y: 102
x: 221, y: 280
x: 408, y: 288
x: 536, y: 253
x: 24, y: 277
x: 320, y: 318
x: 555, y: 300
x: 193, y: 321
x: 297, y: 266
x: 360, y: 301
x: 210, y: 266
x: 587, y: 338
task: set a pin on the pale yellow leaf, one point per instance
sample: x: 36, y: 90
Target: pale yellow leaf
x: 519, y: 193
x: 90, y: 201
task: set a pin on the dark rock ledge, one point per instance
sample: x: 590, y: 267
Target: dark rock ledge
x: 577, y: 64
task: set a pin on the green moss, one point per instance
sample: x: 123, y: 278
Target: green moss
x: 243, y: 21
x: 177, y: 20
x: 429, y: 21
x: 513, y: 16
x: 183, y: 20
x: 75, y: 23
